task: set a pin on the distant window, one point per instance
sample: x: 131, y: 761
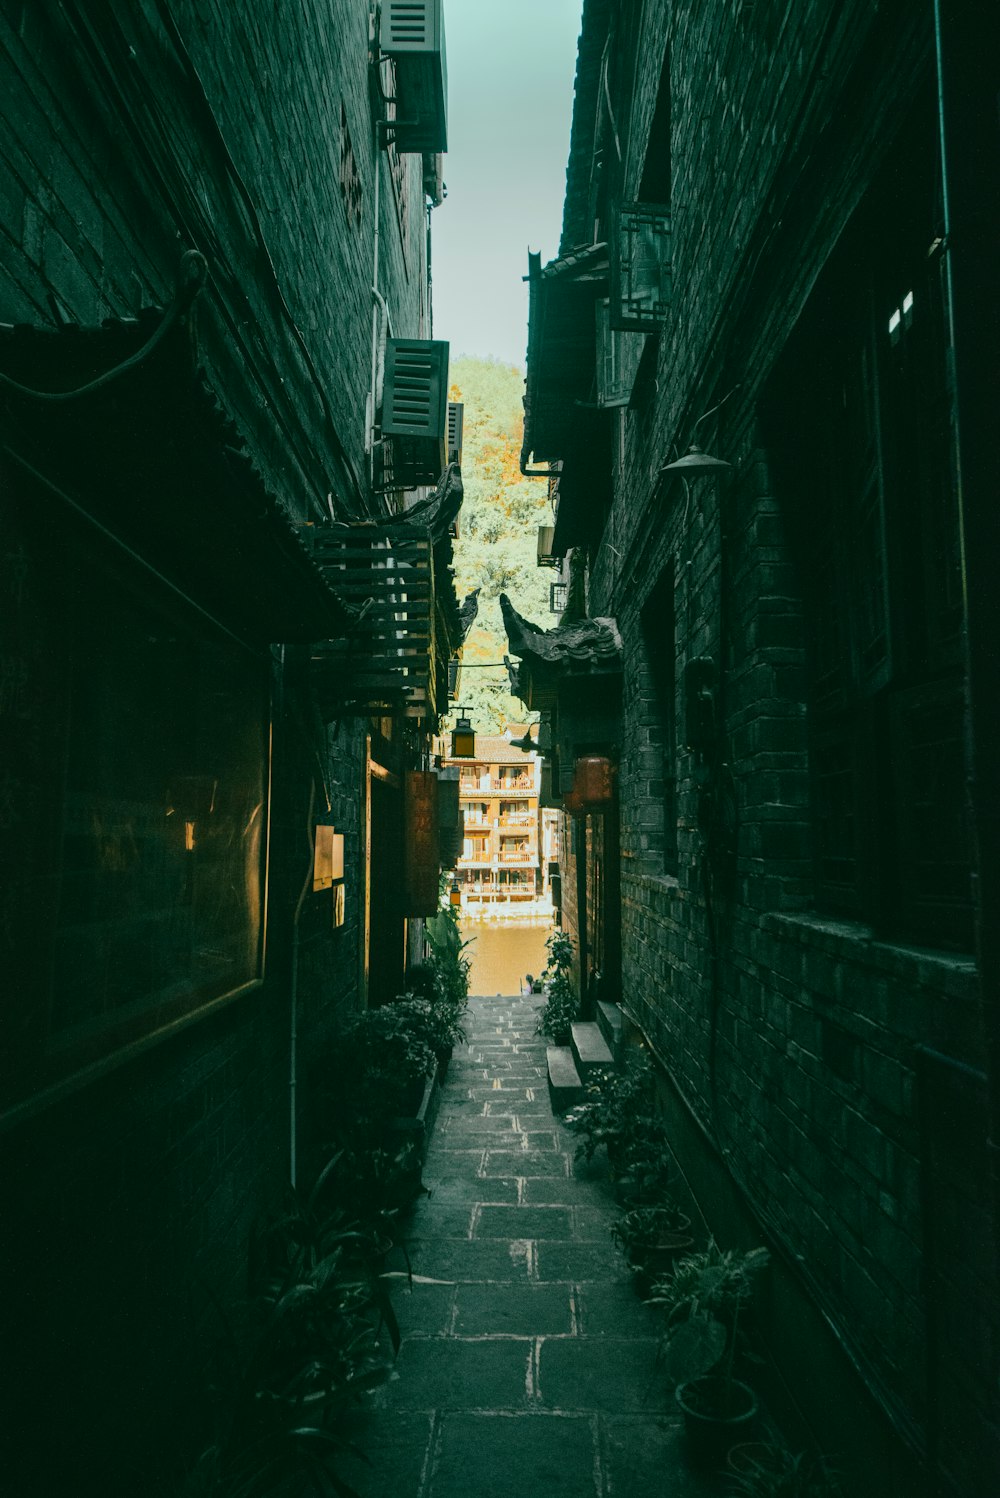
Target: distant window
x: 618, y: 355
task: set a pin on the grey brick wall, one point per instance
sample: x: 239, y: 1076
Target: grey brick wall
x: 803, y: 1062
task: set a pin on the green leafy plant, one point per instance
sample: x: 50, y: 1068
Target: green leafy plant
x: 308, y: 1346
x: 702, y: 1299
x: 448, y: 969
x: 619, y: 1112
x: 768, y: 1471
x: 380, y: 1067
x: 561, y: 1005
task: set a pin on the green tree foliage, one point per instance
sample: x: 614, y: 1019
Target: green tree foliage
x: 496, y: 549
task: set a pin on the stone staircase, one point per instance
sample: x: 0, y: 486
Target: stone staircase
x: 592, y: 1045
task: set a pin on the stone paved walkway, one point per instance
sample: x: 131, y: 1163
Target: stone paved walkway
x: 531, y: 1370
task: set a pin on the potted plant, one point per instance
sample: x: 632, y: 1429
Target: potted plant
x: 703, y: 1298
x: 307, y: 1348
x: 618, y: 1112
x: 643, y: 1163
x: 652, y: 1238
x: 561, y: 1005
x: 759, y: 1470
x: 448, y: 973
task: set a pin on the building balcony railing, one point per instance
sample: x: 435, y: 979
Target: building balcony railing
x: 519, y: 860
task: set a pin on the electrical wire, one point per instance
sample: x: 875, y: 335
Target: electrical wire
x: 193, y: 274
x: 113, y: 62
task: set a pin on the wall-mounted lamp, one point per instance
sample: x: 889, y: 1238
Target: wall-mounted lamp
x: 695, y: 463
x: 573, y: 803
x: 328, y: 857
x: 463, y: 737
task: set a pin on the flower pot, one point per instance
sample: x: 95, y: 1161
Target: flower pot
x: 717, y: 1412
x: 755, y: 1459
x: 656, y: 1263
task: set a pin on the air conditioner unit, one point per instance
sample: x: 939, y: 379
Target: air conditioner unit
x: 415, y: 408
x: 434, y: 187
x: 413, y: 36
x: 546, y: 539
x: 456, y: 411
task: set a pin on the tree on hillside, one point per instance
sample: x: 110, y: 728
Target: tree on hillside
x: 496, y: 549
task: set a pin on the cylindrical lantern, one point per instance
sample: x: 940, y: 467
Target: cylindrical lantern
x: 592, y: 780
x: 572, y: 804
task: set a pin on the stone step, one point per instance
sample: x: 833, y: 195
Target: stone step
x: 565, y: 1087
x: 610, y: 1022
x: 589, y: 1047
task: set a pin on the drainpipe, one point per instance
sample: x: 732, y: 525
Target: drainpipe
x: 293, y: 1027
x: 970, y: 167
x: 377, y: 299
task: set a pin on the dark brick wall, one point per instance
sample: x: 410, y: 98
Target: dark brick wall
x: 128, y: 142
x: 795, y: 1041
x: 128, y: 134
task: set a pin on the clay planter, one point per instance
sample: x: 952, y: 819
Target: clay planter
x: 414, y: 1131
x: 718, y: 1412
x: 656, y: 1263
x: 443, y: 1061
x: 652, y: 1239
x: 755, y: 1459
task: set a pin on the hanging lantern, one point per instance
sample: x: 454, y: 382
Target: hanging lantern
x: 592, y: 780
x: 421, y: 862
x: 463, y: 737
x: 572, y: 804
x: 454, y: 894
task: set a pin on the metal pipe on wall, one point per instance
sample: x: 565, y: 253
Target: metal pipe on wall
x: 970, y: 162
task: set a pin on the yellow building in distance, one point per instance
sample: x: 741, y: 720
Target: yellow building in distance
x: 508, y: 843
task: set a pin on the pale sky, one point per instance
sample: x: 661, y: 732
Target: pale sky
x: 511, y: 65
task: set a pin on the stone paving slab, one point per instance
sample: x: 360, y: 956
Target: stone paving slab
x: 396, y: 1451
x: 514, y: 1310
x: 464, y: 1259
x: 618, y: 1375
x: 614, y: 1310
x: 646, y: 1458
x: 592, y: 1260
x: 458, y: 1373
x: 448, y: 1188
x: 526, y: 1456
x: 528, y: 1364
x: 525, y: 1163
x: 525, y: 1222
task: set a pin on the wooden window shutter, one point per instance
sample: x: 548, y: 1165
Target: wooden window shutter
x: 641, y: 272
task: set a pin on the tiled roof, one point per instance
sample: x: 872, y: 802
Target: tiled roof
x: 582, y: 642
x: 494, y: 749
x: 150, y: 424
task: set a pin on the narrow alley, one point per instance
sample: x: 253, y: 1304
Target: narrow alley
x: 390, y: 612
x: 528, y: 1364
